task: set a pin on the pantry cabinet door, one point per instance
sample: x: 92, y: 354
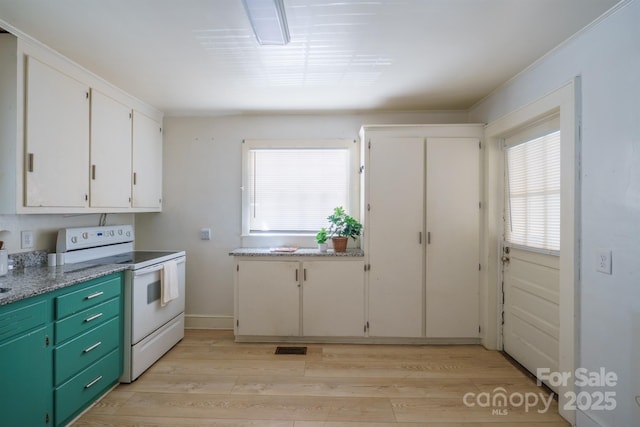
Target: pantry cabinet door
x: 110, y: 152
x: 268, y: 298
x: 57, y: 138
x: 453, y: 249
x: 395, y: 236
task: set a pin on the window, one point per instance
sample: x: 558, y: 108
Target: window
x: 532, y: 199
x: 292, y: 186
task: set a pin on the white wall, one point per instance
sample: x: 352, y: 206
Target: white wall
x: 202, y: 176
x: 607, y: 56
x: 45, y: 228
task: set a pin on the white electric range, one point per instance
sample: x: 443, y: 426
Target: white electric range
x: 151, y: 329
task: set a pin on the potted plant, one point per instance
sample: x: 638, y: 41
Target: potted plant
x: 342, y: 226
x: 321, y: 239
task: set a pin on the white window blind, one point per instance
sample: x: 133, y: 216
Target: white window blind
x: 295, y: 189
x: 532, y: 193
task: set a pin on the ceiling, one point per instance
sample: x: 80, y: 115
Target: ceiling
x: 200, y: 56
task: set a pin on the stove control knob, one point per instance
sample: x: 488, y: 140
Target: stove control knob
x: 111, y: 233
x: 120, y: 232
x: 85, y: 235
x: 128, y: 234
x: 74, y: 239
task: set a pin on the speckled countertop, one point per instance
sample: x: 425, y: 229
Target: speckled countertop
x: 31, y: 281
x: 301, y: 252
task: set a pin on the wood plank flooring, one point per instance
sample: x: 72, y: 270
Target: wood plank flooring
x: 209, y: 380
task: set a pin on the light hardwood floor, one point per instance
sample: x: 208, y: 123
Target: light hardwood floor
x: 209, y: 380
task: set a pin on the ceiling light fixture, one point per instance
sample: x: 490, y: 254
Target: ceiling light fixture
x: 268, y: 21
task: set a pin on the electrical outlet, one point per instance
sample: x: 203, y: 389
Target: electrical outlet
x: 603, y: 261
x: 26, y: 239
x: 205, y: 234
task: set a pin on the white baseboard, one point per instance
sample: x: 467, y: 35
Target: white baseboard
x: 201, y: 321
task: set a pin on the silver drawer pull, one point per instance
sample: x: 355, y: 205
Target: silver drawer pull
x: 93, y: 382
x: 97, y: 294
x: 94, y: 317
x: 93, y: 347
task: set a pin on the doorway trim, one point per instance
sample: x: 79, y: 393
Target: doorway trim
x: 566, y: 102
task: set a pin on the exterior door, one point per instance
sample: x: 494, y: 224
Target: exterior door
x: 531, y: 262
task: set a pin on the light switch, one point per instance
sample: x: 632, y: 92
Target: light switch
x: 205, y: 234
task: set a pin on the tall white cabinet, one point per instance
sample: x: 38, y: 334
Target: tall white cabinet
x: 421, y: 204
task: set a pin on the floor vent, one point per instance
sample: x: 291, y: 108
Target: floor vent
x: 291, y: 350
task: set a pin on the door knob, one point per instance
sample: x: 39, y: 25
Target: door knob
x: 505, y: 258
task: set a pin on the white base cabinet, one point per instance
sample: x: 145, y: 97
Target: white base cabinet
x: 299, y: 298
x: 268, y: 298
x: 333, y: 299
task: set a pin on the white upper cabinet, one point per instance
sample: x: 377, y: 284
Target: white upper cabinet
x: 110, y: 152
x: 56, y: 137
x: 147, y: 162
x: 67, y: 138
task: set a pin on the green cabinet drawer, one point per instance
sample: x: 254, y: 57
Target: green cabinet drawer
x: 82, y: 351
x: 93, y: 292
x: 17, y: 318
x: 73, y: 396
x: 87, y: 319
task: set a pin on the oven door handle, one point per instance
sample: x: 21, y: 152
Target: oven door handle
x: 155, y: 268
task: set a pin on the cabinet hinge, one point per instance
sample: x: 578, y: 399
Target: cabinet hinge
x: 238, y: 267
x: 479, y: 267
x: 86, y: 95
x: 130, y: 116
x: 46, y: 418
x: 367, y: 325
x: 480, y: 205
x: 86, y: 197
x: 369, y: 145
x: 47, y: 341
x: 361, y: 169
x: 237, y: 322
x: 368, y: 207
x: 160, y: 130
x: 479, y: 329
x: 480, y: 145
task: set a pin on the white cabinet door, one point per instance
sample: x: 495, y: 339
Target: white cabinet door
x: 268, y: 298
x: 57, y: 138
x: 110, y: 152
x: 394, y: 234
x: 453, y: 251
x: 333, y: 298
x: 147, y: 162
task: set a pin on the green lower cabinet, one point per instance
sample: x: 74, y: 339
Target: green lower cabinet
x: 59, y: 352
x: 26, y: 371
x: 75, y: 395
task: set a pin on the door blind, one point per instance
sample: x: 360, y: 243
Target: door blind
x: 532, y: 192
